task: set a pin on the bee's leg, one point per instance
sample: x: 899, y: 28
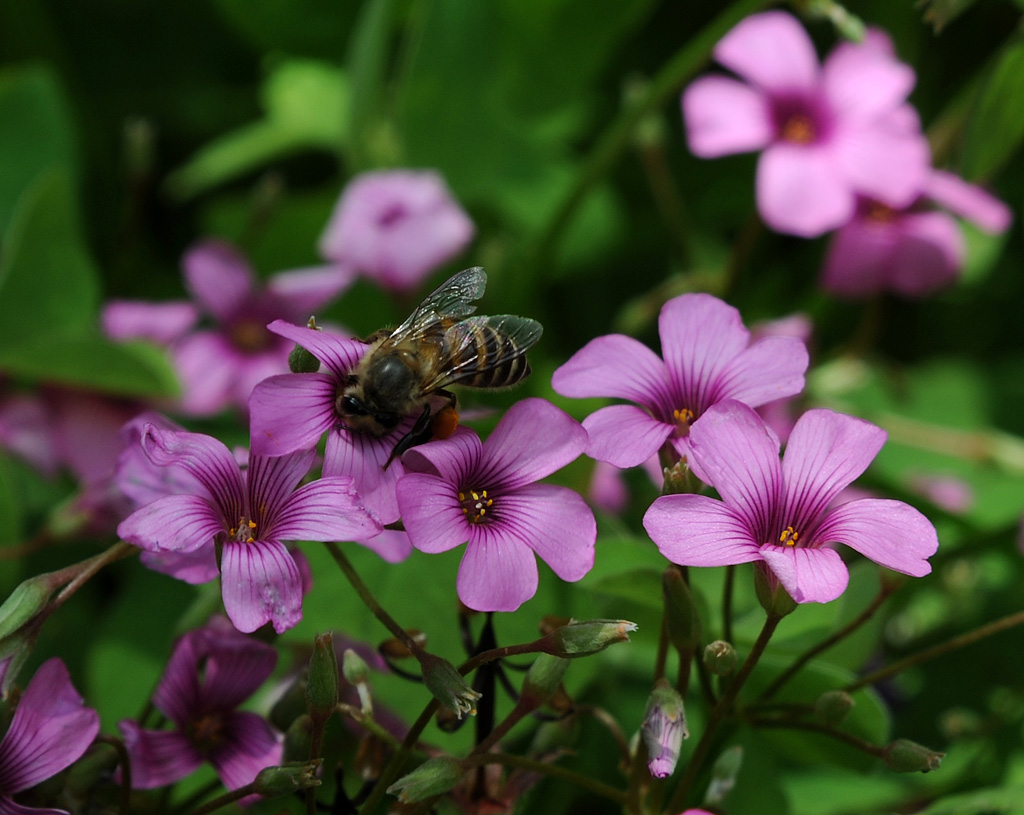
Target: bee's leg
x: 418, y: 433
x: 445, y: 421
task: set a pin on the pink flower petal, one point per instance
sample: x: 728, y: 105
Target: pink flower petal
x: 218, y: 277
x: 291, y: 412
x: 615, y: 366
x: 207, y: 365
x: 249, y: 746
x: 770, y: 369
x: 724, y: 116
x: 496, y: 573
x: 624, y: 435
x: 826, y: 452
x: 161, y: 323
x: 305, y: 291
x: 801, y: 191
x: 202, y: 456
x: 362, y: 457
x: 533, y: 439
x: 864, y: 81
x: 392, y: 545
x: 158, y: 758
x: 929, y: 254
x: 175, y: 523
x: 339, y: 355
x: 890, y: 533
x: 328, y: 509
x: 271, y: 482
x: 968, y: 201
x: 809, y: 575
x: 770, y: 50
x: 431, y: 513
x: 453, y: 459
x: 194, y: 568
x: 694, y: 530
x: 260, y: 583
x: 860, y: 257
x: 886, y: 163
x: 254, y: 368
x: 555, y: 523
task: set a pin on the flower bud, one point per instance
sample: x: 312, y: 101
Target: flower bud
x: 357, y: 673
x: 678, y: 479
x: 680, y: 611
x: 771, y: 594
x: 543, y: 679
x: 832, y: 706
x: 322, y: 686
x: 394, y: 648
x: 288, y: 778
x: 298, y: 738
x: 585, y: 638
x: 905, y: 756
x: 300, y: 361
x: 723, y: 775
x: 720, y: 658
x: 447, y: 685
x: 664, y: 729
x: 432, y: 777
x: 26, y: 601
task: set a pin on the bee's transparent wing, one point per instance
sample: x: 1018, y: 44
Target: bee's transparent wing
x: 452, y: 300
x: 478, y: 345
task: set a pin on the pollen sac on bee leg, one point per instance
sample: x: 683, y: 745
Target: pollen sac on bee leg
x: 444, y: 422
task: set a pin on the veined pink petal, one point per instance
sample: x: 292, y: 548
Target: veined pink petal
x: 740, y: 455
x: 860, y: 257
x: 770, y: 369
x: 928, y: 256
x: 700, y: 335
x: 51, y: 729
x: 260, y: 583
x: 206, y: 364
x: 826, y: 452
x: 338, y: 355
x: 194, y: 568
x: 864, y: 81
x: 533, y: 439
x: 202, y: 456
x: 968, y: 201
x: 234, y: 669
x: 809, y: 575
x: 770, y: 50
x: 392, y: 545
x: 695, y: 530
x: 886, y: 163
x: 497, y: 573
x: 218, y: 277
x: 328, y: 509
x: 249, y: 746
x: 161, y: 323
x: 801, y: 190
x: 291, y: 412
x: 723, y: 116
x: 890, y: 533
x: 362, y: 457
x: 431, y: 513
x: 304, y: 291
x: 158, y: 758
x: 271, y: 481
x: 615, y: 366
x: 8, y: 806
x: 177, y: 694
x: 175, y: 523
x: 455, y: 459
x: 624, y: 435
x: 555, y: 523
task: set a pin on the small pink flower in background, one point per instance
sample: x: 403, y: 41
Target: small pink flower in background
x: 778, y: 513
x: 396, y: 227
x: 461, y: 490
x: 211, y: 672
x: 250, y: 514
x: 26, y: 429
x: 708, y: 357
x: 51, y: 729
x: 945, y: 491
x: 828, y: 132
x: 219, y: 367
x: 608, y: 491
x: 912, y: 251
x: 781, y: 414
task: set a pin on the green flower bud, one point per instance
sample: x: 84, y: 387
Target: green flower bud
x: 543, y: 679
x: 771, y: 594
x: 905, y: 756
x: 357, y: 673
x: 322, y: 686
x: 27, y: 600
x: 298, y: 738
x: 447, y: 685
x: 288, y: 778
x: 720, y: 658
x: 300, y: 361
x: 432, y: 777
x: 832, y: 706
x: 581, y: 639
x: 680, y: 611
x: 723, y: 775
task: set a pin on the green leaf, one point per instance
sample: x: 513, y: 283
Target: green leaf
x: 992, y: 801
x: 10, y: 508
x: 47, y: 280
x: 36, y: 133
x: 996, y: 125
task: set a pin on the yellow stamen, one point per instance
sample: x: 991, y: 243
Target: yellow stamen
x: 798, y: 129
x: 789, y: 536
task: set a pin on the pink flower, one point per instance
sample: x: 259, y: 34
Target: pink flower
x: 827, y: 132
x: 459, y: 490
x: 396, y: 227
x: 221, y: 365
x: 911, y: 251
x: 211, y: 672
x: 51, y: 729
x: 708, y: 357
x: 249, y: 514
x: 778, y: 513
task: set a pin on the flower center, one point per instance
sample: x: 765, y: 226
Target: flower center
x: 206, y: 732
x: 789, y: 536
x: 250, y: 336
x: 391, y: 215
x: 880, y: 213
x: 475, y: 505
x: 799, y: 129
x: 245, y: 531
x: 683, y: 418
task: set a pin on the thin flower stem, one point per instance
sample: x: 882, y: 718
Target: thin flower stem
x: 814, y: 727
x: 828, y: 642
x: 961, y: 641
x: 84, y: 571
x: 719, y: 712
x: 126, y: 770
x: 617, y: 137
x: 612, y: 725
x: 367, y: 722
x: 197, y: 796
x: 225, y: 799
x: 730, y: 582
x: 552, y: 771
x: 394, y: 766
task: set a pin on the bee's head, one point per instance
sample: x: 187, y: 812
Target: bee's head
x: 358, y: 415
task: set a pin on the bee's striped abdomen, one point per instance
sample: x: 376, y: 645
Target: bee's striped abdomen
x: 499, y: 360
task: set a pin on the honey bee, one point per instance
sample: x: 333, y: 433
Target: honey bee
x: 408, y: 370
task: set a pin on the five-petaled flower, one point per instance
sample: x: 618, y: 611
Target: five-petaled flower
x: 778, y: 512
x: 51, y: 729
x: 827, y: 132
x: 708, y: 357
x: 249, y: 513
x: 211, y: 672
x: 461, y: 490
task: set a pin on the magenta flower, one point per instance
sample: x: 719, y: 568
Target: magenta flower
x: 912, y: 251
x: 827, y: 132
x: 249, y: 514
x: 292, y: 411
x: 396, y: 227
x: 220, y: 366
x: 211, y: 672
x: 26, y: 429
x: 51, y: 729
x: 708, y: 357
x: 779, y: 514
x: 459, y: 490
